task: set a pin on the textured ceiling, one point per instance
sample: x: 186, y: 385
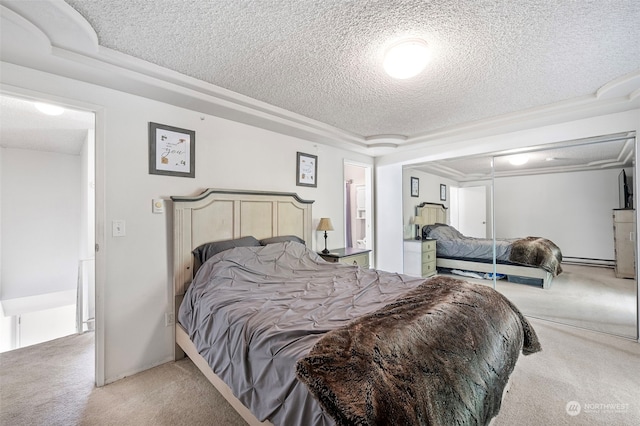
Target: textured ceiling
x: 23, y: 126
x: 322, y: 59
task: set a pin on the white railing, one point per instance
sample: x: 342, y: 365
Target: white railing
x: 85, y: 297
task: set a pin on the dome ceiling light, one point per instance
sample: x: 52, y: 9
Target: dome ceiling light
x: 407, y: 58
x: 48, y: 108
x: 519, y: 160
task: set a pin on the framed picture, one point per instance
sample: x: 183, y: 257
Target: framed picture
x: 443, y: 192
x: 415, y: 187
x: 172, y: 151
x: 307, y: 170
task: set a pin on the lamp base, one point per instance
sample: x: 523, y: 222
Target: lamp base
x: 325, y: 251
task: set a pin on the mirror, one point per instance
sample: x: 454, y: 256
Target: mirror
x: 567, y: 195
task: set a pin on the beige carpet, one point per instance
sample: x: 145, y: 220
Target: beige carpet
x: 583, y: 296
x: 51, y: 384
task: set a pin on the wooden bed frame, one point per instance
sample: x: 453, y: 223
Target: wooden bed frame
x: 218, y: 215
x: 436, y: 213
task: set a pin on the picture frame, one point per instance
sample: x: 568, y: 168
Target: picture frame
x: 415, y: 187
x: 443, y: 192
x: 172, y: 151
x: 307, y: 170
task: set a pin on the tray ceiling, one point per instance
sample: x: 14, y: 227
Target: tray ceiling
x: 322, y: 59
x: 313, y: 69
x: 608, y: 152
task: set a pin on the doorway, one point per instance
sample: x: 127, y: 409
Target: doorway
x: 47, y: 193
x: 358, y: 206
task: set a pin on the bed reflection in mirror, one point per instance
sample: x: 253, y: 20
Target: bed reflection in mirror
x: 566, y: 196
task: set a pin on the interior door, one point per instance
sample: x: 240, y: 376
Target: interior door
x: 472, y: 212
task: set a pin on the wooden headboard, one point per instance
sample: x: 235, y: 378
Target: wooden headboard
x: 432, y: 213
x: 218, y: 215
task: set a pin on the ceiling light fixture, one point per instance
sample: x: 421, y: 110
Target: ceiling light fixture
x: 406, y: 58
x: 518, y: 160
x: 48, y: 108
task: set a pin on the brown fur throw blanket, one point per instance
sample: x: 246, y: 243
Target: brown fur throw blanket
x: 439, y: 355
x: 537, y: 251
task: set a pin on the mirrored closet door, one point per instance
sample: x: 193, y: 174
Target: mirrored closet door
x: 576, y: 199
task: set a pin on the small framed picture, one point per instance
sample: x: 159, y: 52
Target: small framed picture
x: 415, y: 187
x: 307, y: 170
x: 172, y: 151
x: 443, y: 192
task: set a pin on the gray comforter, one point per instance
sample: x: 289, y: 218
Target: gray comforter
x: 529, y: 251
x: 253, y: 312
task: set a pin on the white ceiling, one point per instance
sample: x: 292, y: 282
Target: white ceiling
x: 322, y: 59
x: 22, y: 126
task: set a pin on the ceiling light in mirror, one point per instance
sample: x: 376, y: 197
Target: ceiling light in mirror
x: 49, y: 109
x: 518, y: 160
x: 406, y: 58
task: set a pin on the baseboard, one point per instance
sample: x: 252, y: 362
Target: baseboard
x: 605, y: 263
x: 138, y: 370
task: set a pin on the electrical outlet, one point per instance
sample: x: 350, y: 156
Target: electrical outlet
x: 168, y: 319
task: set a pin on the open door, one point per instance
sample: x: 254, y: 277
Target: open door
x: 358, y: 206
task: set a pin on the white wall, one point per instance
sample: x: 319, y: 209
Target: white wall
x: 574, y: 210
x: 388, y: 218
x: 138, y: 291
x: 429, y: 192
x: 40, y: 214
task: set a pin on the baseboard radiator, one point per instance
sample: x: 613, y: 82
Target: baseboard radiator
x: 604, y: 263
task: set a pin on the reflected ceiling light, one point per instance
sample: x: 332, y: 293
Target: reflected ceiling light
x: 49, y: 109
x: 406, y: 58
x: 518, y: 160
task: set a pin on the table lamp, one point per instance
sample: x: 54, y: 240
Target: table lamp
x: 325, y: 225
x: 417, y: 220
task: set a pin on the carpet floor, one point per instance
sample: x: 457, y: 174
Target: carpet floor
x: 580, y: 378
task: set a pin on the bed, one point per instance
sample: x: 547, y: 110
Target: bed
x: 289, y: 339
x: 525, y: 260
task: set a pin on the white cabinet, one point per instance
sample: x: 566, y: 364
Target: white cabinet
x: 624, y: 234
x: 420, y: 258
x: 348, y: 256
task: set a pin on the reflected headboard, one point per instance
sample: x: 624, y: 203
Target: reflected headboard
x: 432, y: 213
x: 219, y: 214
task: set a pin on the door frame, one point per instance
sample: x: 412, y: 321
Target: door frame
x: 100, y: 213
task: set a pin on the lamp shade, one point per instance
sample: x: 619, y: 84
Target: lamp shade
x: 325, y: 224
x: 417, y: 220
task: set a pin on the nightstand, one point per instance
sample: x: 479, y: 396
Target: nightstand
x: 348, y: 256
x: 420, y: 257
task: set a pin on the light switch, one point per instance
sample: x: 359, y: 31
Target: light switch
x: 118, y: 228
x: 158, y: 206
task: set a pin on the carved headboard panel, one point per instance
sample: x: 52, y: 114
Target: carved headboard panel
x: 217, y: 215
x: 432, y: 213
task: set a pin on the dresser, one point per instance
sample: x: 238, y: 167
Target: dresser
x: 624, y: 242
x: 420, y: 257
x: 348, y: 256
